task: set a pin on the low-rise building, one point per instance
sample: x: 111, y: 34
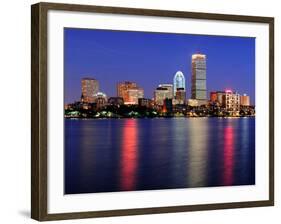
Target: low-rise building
x: 245, y: 100
x: 144, y: 102
x: 231, y: 102
x: 115, y: 101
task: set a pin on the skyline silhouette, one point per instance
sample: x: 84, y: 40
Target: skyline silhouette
x: 151, y: 59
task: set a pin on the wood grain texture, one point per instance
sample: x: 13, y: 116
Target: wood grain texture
x: 38, y: 112
x: 271, y: 111
x: 39, y: 203
x: 34, y: 113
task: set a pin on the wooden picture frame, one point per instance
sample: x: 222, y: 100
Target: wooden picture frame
x: 39, y: 108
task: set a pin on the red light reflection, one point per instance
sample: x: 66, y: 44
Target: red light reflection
x: 129, y: 155
x: 228, y: 156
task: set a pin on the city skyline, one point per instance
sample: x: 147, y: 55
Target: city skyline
x: 166, y: 92
x: 111, y: 76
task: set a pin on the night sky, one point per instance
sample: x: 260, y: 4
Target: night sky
x: 153, y: 58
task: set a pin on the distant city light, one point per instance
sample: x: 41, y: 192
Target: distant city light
x: 228, y: 91
x: 169, y: 99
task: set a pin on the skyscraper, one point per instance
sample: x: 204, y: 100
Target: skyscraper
x: 198, y: 79
x: 90, y: 87
x: 179, y: 81
x: 130, y: 92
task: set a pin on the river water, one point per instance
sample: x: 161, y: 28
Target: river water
x: 109, y: 155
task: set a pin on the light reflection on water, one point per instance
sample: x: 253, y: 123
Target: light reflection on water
x: 198, y: 160
x: 145, y: 154
x: 129, y: 155
x: 228, y: 155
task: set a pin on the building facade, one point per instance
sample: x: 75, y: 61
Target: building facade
x: 115, y: 101
x: 198, y: 78
x: 122, y: 87
x: 220, y: 96
x: 144, y: 102
x: 160, y: 94
x: 179, y: 81
x: 90, y: 87
x: 167, y: 106
x: 213, y: 97
x: 132, y: 96
x: 169, y: 87
x: 130, y: 92
x: 231, y: 102
x: 100, y: 99
x: 192, y: 103
x: 245, y: 100
x: 180, y: 96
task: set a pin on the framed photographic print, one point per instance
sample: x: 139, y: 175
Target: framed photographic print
x: 139, y: 111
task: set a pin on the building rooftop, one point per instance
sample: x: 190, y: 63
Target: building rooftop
x: 198, y: 56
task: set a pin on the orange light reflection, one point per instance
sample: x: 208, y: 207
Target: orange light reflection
x: 228, y: 156
x: 129, y: 155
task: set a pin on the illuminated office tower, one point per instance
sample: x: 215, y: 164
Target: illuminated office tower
x: 122, y: 88
x: 160, y: 94
x: 180, y: 95
x: 130, y: 92
x: 245, y: 100
x: 133, y: 95
x: 198, y: 79
x: 164, y: 91
x: 179, y: 81
x: 169, y: 87
x: 90, y: 87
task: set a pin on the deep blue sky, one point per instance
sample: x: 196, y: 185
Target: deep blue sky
x: 153, y: 58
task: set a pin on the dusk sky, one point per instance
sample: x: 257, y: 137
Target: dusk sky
x: 150, y: 59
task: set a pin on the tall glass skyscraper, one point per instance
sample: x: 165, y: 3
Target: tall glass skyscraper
x: 198, y: 79
x: 179, y: 81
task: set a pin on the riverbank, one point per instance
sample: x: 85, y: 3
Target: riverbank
x: 169, y: 117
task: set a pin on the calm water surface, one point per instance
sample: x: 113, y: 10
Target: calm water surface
x: 146, y: 154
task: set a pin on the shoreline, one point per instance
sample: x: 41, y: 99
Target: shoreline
x: 172, y: 117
